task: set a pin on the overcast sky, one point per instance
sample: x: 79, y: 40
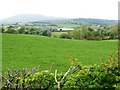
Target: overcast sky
x: 103, y: 9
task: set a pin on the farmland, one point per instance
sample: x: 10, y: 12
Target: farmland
x: 27, y: 51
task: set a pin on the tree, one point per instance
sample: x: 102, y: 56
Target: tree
x: 3, y: 30
x: 49, y: 34
x: 66, y: 35
x: 21, y: 30
x: 11, y: 30
x: 88, y: 35
x: 119, y: 44
x: 77, y: 33
x: 45, y: 33
x: 32, y: 30
x: 114, y: 32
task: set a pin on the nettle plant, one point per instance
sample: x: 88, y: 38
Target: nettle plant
x: 78, y: 76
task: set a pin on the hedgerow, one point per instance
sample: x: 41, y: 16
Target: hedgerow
x: 103, y: 76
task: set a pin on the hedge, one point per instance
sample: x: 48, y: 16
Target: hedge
x: 81, y: 77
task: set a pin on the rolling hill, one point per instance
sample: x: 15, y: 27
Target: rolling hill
x: 29, y: 18
x: 96, y: 21
x: 41, y: 18
x: 20, y: 51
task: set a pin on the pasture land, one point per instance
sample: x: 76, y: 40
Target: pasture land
x: 57, y: 34
x: 20, y: 51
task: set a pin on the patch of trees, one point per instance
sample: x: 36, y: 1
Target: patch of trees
x: 24, y: 30
x: 93, y: 32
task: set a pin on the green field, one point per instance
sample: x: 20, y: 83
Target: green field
x: 20, y: 51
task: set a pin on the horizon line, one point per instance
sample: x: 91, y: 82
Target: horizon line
x: 56, y: 17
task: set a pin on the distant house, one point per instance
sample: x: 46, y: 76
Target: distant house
x: 65, y: 29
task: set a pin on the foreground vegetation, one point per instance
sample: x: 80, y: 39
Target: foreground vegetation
x: 27, y: 51
x: 104, y: 76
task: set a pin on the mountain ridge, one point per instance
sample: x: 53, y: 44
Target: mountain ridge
x: 28, y: 18
x: 41, y: 18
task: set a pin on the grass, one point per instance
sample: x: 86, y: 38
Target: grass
x: 57, y: 34
x: 20, y: 51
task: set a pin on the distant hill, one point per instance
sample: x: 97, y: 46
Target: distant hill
x: 28, y: 18
x: 41, y: 18
x: 96, y: 21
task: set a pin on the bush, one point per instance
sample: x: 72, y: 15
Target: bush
x: 46, y: 33
x: 41, y: 80
x: 103, y: 76
x: 98, y: 38
x: 11, y: 31
x: 92, y: 78
x: 65, y: 35
x: 21, y: 30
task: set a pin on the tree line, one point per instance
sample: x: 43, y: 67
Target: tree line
x: 88, y: 33
x: 79, y: 33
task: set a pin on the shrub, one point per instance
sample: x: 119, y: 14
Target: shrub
x: 65, y: 35
x: 41, y: 80
x: 21, y: 30
x: 11, y: 31
x: 92, y: 77
x: 98, y: 38
x: 103, y: 76
x: 46, y: 33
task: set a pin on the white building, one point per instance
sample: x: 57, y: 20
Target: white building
x: 65, y: 29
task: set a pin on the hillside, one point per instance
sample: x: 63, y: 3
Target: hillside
x: 42, y: 18
x: 28, y: 51
x: 28, y: 18
x: 96, y: 21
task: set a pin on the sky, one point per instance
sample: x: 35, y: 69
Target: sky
x: 102, y: 9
